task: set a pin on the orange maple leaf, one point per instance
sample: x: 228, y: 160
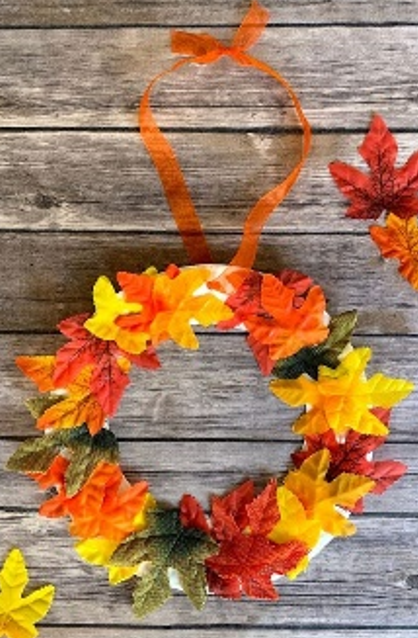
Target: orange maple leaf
x: 40, y: 369
x: 399, y: 240
x: 172, y: 305
x: 289, y: 326
x: 79, y: 406
x: 106, y: 505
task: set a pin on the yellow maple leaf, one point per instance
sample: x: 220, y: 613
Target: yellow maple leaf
x: 109, y: 306
x: 178, y: 305
x: 308, y: 502
x: 399, y: 240
x: 79, y: 406
x: 294, y: 522
x: 342, y: 398
x: 98, y: 551
x: 19, y: 614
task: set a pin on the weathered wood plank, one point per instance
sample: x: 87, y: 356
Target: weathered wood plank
x: 45, y: 80
x: 173, y: 468
x: 96, y: 181
x: 179, y: 12
x: 204, y: 632
x: 46, y: 277
x: 368, y: 580
x: 216, y: 393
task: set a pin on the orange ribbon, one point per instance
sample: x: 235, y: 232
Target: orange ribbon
x: 205, y: 49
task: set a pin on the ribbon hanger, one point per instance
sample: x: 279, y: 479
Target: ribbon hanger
x: 205, y: 49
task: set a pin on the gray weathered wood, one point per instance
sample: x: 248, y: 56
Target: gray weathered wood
x: 179, y: 12
x: 79, y: 197
x: 256, y: 632
x: 215, y: 393
x: 206, y: 468
x: 46, y: 82
x: 102, y: 180
x: 367, y: 580
x: 46, y: 277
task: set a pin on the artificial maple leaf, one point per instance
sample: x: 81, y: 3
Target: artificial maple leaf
x: 320, y: 497
x: 399, y: 240
x: 98, y: 551
x: 307, y: 360
x: 109, y: 376
x: 282, y: 313
x: 353, y: 455
x: 53, y: 476
x: 166, y: 544
x: 178, y: 305
x: 83, y: 451
x: 385, y: 188
x: 40, y: 369
x: 109, y: 305
x: 18, y: 613
x: 247, y: 559
x: 262, y: 511
x: 192, y: 514
x: 288, y: 327
x: 105, y: 506
x: 341, y: 399
x: 78, y: 406
x: 246, y: 564
x: 229, y: 513
x: 294, y: 523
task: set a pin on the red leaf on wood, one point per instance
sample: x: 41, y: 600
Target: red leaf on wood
x: 246, y: 563
x: 192, y: 514
x: 263, y: 512
x: 385, y: 188
x: 110, y: 364
x: 229, y: 513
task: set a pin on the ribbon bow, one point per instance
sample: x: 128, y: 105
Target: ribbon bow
x: 205, y: 49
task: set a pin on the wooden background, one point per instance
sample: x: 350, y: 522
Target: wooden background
x: 79, y: 197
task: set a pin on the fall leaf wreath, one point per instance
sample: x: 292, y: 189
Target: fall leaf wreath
x: 250, y: 536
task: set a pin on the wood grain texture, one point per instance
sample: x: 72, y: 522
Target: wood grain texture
x: 105, y: 180
x: 180, y: 12
x: 375, y: 588
x: 215, y: 393
x: 204, y: 632
x: 206, y: 468
x: 47, y: 276
x: 80, y: 198
x: 47, y: 82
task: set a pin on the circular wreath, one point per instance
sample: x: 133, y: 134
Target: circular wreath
x: 248, y: 537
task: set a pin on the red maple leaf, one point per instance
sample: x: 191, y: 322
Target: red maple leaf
x: 246, y: 563
x: 247, y: 559
x: 263, y: 512
x: 229, y: 513
x: 192, y: 514
x: 110, y: 364
x: 385, y: 188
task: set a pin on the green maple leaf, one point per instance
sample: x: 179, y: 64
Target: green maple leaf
x: 87, y: 451
x: 327, y: 353
x: 166, y: 544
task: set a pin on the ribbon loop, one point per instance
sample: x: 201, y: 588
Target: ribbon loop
x: 205, y: 49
